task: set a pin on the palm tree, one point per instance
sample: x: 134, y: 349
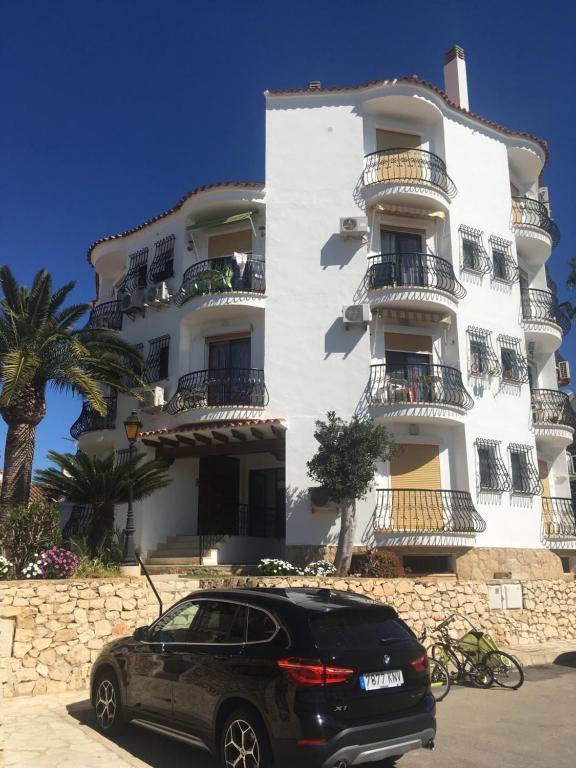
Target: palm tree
x: 571, y: 281
x: 101, y: 482
x: 40, y: 347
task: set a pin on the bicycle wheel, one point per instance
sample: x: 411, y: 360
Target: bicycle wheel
x: 507, y: 670
x: 480, y: 676
x: 439, y: 680
x: 445, y: 656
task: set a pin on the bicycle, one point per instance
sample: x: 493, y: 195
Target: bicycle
x: 439, y: 677
x: 475, y: 657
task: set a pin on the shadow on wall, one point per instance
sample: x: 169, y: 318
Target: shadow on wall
x: 298, y: 504
x: 338, y: 252
x: 339, y: 341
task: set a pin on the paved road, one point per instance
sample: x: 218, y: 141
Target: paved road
x: 534, y: 727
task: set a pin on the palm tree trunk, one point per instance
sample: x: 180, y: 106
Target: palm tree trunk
x: 18, y: 458
x: 346, y: 539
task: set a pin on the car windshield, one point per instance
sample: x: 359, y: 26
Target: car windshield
x: 371, y: 628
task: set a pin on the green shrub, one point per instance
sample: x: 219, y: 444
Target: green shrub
x: 27, y: 529
x: 109, y: 550
x: 94, y: 568
x: 379, y: 564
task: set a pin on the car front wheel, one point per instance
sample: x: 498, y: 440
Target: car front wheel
x: 244, y: 742
x: 107, y: 704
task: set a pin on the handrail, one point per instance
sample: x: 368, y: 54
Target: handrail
x: 106, y: 315
x: 558, y: 517
x: 540, y: 304
x: 219, y: 387
x: 532, y: 213
x: 407, y: 166
x: 550, y: 406
x: 413, y: 270
x: 222, y: 275
x: 91, y: 421
x: 426, y: 510
x: 161, y: 611
x: 421, y: 383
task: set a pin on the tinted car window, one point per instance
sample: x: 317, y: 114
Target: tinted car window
x: 174, y: 626
x: 357, y: 629
x: 219, y: 623
x: 260, y: 626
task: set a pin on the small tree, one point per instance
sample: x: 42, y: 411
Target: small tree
x: 344, y: 466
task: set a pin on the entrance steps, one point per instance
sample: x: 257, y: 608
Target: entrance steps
x: 181, y: 551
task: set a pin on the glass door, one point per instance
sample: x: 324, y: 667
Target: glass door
x: 229, y: 371
x: 401, y: 258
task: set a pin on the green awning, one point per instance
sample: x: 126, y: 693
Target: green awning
x: 220, y: 222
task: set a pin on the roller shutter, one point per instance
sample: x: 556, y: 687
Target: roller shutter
x: 415, y: 476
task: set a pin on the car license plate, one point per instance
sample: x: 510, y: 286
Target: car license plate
x: 372, y: 681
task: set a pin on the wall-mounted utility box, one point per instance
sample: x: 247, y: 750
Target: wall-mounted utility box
x: 503, y: 597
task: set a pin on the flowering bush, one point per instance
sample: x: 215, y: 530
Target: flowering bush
x: 5, y: 566
x: 58, y: 563
x: 34, y: 568
x: 274, y: 567
x: 320, y: 568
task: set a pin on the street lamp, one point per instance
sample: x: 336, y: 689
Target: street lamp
x: 132, y: 427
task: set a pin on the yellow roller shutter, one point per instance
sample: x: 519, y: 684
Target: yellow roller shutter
x: 408, y: 342
x: 396, y: 140
x: 225, y: 245
x: 402, y: 166
x: 547, y: 508
x: 543, y: 471
x: 415, y: 480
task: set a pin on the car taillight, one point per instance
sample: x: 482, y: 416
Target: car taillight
x: 305, y: 672
x: 421, y: 663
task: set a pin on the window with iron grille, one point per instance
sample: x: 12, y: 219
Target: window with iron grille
x: 137, y: 269
x: 504, y: 268
x: 492, y: 472
x: 483, y: 359
x: 162, y: 266
x: 136, y: 368
x: 525, y: 479
x: 157, y: 361
x: 514, y: 364
x: 473, y: 256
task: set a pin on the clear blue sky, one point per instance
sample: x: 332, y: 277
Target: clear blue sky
x: 113, y: 109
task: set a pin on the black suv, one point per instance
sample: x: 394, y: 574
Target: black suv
x: 313, y: 678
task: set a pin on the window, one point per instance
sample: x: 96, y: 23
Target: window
x: 137, y: 271
x: 504, y: 267
x: 157, y: 361
x: 525, y: 478
x: 261, y: 627
x: 470, y: 255
x: 358, y: 628
x: 499, y: 265
x: 175, y: 625
x: 513, y: 364
x: 220, y: 623
x: 492, y: 473
x: 162, y: 266
x: 483, y: 360
x: 473, y: 255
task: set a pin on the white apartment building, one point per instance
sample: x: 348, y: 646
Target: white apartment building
x: 393, y: 266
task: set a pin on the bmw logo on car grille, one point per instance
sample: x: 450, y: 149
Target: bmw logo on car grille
x: 386, y: 659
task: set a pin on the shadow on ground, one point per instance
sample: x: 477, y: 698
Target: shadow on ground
x: 566, y: 660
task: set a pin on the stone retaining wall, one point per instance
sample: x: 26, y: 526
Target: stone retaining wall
x: 51, y: 632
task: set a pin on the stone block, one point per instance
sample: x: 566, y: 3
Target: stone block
x: 6, y: 638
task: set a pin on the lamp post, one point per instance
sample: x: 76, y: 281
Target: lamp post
x: 132, y: 427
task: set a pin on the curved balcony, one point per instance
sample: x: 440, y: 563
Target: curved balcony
x: 558, y: 518
x: 552, y: 416
x: 417, y: 280
x: 419, y: 392
x: 106, y: 315
x: 545, y: 322
x: 408, y: 174
x: 222, y: 276
x: 536, y: 233
x: 237, y: 387
x: 91, y: 421
x: 408, y: 510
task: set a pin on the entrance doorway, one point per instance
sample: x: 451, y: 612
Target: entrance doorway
x: 218, y: 495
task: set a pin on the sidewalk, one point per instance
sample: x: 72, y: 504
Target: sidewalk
x: 543, y: 653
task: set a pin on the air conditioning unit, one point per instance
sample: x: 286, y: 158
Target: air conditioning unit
x: 356, y: 314
x: 157, y: 296
x: 563, y: 373
x: 544, y: 198
x: 132, y: 302
x: 151, y: 399
x: 354, y: 226
x: 319, y: 496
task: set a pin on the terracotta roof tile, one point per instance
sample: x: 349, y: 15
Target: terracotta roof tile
x: 200, y: 425
x: 257, y: 185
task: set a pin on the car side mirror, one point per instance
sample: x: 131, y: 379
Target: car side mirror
x: 141, y: 633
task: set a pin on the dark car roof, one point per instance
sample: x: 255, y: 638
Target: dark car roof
x: 304, y: 598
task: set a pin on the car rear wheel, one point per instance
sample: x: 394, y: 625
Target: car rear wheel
x: 244, y: 742
x: 107, y: 704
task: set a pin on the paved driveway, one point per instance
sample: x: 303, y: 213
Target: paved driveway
x: 534, y: 727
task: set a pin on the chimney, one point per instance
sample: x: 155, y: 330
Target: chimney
x: 314, y: 85
x: 455, y: 82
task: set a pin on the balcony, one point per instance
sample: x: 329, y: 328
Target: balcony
x: 91, y: 421
x: 417, y: 280
x: 558, y: 518
x: 221, y: 276
x: 420, y: 391
x: 237, y: 387
x: 106, y: 315
x: 552, y: 416
x: 544, y: 320
x: 536, y: 233
x: 404, y: 510
x: 410, y: 175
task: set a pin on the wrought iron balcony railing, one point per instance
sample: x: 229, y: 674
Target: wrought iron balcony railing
x: 433, y: 384
x: 219, y: 387
x: 413, y: 270
x: 91, y: 421
x: 245, y: 520
x: 415, y: 167
x: 558, y: 517
x: 79, y: 522
x: 222, y: 275
x: 408, y: 510
x: 550, y: 406
x: 106, y: 315
x: 543, y: 305
x: 533, y: 213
